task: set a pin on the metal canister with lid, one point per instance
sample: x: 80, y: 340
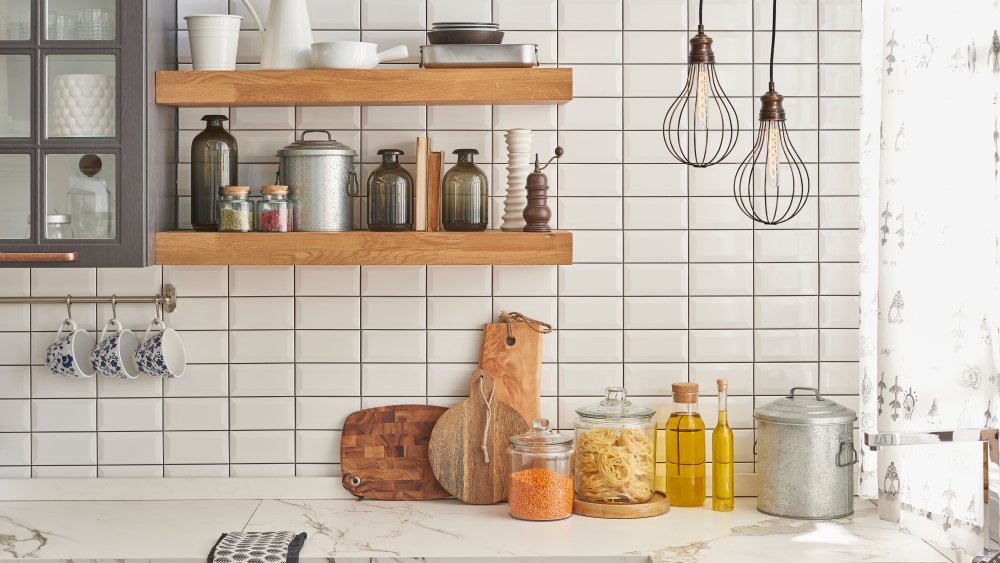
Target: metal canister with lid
x: 321, y: 180
x: 805, y: 457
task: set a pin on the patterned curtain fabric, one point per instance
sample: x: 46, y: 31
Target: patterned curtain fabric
x: 930, y: 161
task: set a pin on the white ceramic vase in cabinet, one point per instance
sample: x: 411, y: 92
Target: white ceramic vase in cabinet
x: 518, y: 167
x: 83, y: 105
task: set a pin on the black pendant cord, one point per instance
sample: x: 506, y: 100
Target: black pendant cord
x: 701, y: 9
x: 774, y: 33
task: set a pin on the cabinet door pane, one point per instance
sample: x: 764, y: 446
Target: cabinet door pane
x: 81, y: 95
x: 81, y: 20
x: 15, y: 20
x: 15, y: 191
x: 15, y: 96
x: 84, y: 186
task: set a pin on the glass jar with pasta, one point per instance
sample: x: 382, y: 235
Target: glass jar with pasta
x: 615, y: 461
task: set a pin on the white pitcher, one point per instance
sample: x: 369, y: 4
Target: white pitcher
x: 288, y: 36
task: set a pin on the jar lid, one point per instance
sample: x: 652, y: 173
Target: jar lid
x: 327, y: 147
x: 58, y: 218
x: 465, y: 151
x: 274, y: 190
x: 615, y: 406
x: 214, y: 118
x: 235, y: 190
x: 805, y: 409
x: 541, y: 435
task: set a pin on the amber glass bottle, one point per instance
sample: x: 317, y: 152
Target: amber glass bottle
x: 686, y: 448
x: 722, y: 456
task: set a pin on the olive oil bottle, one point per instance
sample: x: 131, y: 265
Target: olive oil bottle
x: 686, y: 448
x: 722, y: 456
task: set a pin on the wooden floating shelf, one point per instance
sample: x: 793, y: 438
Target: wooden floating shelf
x: 382, y: 87
x: 364, y: 247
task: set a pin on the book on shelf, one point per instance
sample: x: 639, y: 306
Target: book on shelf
x: 434, y: 163
x: 420, y: 189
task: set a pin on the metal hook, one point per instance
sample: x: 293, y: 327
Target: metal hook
x: 114, y: 306
x: 158, y: 306
x: 69, y: 307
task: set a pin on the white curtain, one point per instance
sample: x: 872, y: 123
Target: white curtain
x: 930, y: 161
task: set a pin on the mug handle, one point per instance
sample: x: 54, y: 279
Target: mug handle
x: 66, y: 323
x: 155, y: 322
x: 111, y: 322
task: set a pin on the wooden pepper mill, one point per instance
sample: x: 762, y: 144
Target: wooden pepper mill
x: 537, y: 213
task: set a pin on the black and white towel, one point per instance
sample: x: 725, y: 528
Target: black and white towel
x: 257, y: 547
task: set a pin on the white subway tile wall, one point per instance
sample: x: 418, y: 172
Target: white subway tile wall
x: 670, y: 283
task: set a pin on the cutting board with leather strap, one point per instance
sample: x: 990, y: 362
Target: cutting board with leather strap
x: 512, y: 354
x: 383, y: 453
x: 468, y: 449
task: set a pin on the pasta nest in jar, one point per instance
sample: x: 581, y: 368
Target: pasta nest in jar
x: 614, y: 465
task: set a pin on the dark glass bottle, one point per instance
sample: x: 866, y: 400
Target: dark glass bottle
x: 390, y: 195
x: 214, y: 163
x: 465, y: 202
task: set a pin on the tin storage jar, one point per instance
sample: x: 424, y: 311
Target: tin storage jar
x: 805, y: 457
x: 321, y: 179
x: 235, y: 210
x: 540, y: 485
x: 615, y: 460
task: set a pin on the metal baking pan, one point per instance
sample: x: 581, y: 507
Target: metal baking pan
x: 479, y: 56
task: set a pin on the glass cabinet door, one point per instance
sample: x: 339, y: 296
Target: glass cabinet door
x: 15, y: 96
x: 81, y: 20
x: 80, y: 196
x: 15, y: 193
x: 15, y: 20
x: 80, y: 90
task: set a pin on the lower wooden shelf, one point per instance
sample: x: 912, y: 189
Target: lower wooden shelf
x: 365, y: 248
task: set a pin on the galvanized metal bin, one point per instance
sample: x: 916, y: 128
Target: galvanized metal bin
x: 321, y: 183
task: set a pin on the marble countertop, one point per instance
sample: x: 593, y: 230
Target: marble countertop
x: 348, y: 531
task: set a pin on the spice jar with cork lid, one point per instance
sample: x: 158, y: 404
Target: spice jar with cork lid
x: 540, y: 484
x: 274, y: 211
x: 235, y: 210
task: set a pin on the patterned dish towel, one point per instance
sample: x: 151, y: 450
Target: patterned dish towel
x: 257, y: 547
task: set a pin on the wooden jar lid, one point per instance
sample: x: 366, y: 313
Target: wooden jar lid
x: 659, y: 504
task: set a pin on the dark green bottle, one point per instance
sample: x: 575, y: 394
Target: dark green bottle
x: 214, y: 163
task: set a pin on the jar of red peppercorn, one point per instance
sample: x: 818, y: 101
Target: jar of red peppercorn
x: 540, y: 485
x: 274, y: 210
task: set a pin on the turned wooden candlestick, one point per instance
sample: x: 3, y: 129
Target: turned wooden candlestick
x: 537, y: 213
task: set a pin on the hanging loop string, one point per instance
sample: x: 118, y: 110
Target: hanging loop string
x: 489, y: 411
x: 515, y: 317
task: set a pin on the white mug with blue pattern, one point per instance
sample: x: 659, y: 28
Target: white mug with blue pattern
x: 161, y: 354
x: 69, y: 355
x: 114, y: 356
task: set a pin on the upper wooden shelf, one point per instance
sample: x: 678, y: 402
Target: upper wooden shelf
x: 383, y: 87
x: 364, y: 247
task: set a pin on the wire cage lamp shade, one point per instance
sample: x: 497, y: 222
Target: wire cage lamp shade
x: 701, y: 126
x: 772, y: 184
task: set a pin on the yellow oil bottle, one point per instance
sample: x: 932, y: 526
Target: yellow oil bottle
x: 722, y: 456
x: 685, y: 448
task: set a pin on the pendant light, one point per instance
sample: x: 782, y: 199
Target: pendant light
x: 772, y: 183
x: 701, y: 125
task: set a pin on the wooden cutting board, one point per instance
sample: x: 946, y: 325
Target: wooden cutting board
x: 516, y: 366
x: 383, y: 453
x: 456, y: 450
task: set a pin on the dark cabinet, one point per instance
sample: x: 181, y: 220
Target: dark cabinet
x: 87, y: 159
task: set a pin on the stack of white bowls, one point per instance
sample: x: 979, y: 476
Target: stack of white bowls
x: 83, y: 106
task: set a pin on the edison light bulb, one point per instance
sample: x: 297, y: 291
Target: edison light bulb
x: 701, y: 98
x: 772, y: 163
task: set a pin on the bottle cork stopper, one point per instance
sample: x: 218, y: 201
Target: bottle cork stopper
x: 274, y: 190
x: 685, y: 392
x: 235, y: 190
x: 723, y: 384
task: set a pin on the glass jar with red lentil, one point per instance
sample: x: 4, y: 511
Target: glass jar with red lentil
x: 274, y: 211
x: 540, y: 484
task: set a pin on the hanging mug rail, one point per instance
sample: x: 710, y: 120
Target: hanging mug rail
x: 167, y: 299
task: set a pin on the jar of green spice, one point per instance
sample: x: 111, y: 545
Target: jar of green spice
x: 235, y: 210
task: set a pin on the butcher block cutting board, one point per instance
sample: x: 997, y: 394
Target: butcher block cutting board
x: 467, y: 466
x: 383, y: 453
x: 512, y: 354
